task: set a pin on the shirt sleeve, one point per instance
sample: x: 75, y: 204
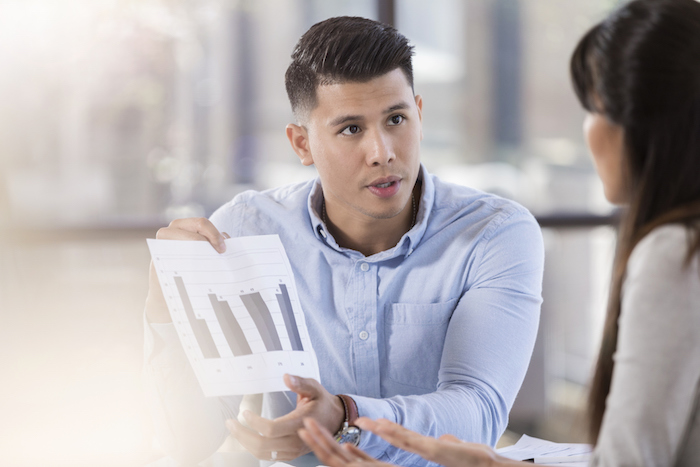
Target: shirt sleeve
x: 655, y: 382
x: 487, y: 347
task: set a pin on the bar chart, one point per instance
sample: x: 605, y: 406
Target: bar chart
x: 237, y: 314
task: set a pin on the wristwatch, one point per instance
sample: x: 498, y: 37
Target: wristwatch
x: 349, y: 433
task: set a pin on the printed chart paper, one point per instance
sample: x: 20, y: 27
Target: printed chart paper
x: 237, y: 314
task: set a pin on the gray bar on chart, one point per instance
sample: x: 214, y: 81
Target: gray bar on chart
x: 263, y: 320
x: 289, y: 320
x: 230, y: 327
x: 199, y: 326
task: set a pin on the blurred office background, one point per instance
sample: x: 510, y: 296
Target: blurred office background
x: 117, y: 116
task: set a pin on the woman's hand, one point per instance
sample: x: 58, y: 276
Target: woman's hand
x: 447, y: 450
x: 330, y: 452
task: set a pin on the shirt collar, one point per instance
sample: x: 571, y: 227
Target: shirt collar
x: 406, y: 244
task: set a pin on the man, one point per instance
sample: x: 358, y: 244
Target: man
x: 421, y: 298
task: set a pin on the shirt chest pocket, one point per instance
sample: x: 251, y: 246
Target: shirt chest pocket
x: 414, y: 339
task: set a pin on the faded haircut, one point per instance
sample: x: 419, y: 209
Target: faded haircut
x: 343, y: 49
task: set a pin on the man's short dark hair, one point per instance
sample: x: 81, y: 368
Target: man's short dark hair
x: 343, y: 49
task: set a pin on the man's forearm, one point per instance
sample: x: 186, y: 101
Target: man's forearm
x: 189, y: 426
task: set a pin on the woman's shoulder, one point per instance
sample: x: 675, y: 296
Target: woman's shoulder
x: 660, y: 277
x: 665, y: 247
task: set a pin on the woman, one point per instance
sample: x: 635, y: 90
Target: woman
x: 638, y: 75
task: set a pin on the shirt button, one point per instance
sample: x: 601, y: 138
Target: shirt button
x: 364, y: 335
x: 364, y: 267
x: 323, y: 233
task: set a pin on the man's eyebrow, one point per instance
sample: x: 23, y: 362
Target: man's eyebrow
x: 346, y: 118
x: 354, y: 118
x: 399, y: 106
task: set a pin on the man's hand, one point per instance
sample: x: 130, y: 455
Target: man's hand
x: 278, y: 439
x: 195, y: 228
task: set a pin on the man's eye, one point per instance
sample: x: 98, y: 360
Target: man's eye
x: 351, y: 130
x: 396, y: 119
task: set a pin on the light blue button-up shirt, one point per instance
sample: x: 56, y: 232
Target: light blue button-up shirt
x: 435, y: 334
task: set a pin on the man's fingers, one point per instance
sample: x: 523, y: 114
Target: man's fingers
x: 284, y: 426
x: 194, y: 228
x: 314, y: 403
x: 256, y: 422
x: 203, y: 227
x: 287, y: 447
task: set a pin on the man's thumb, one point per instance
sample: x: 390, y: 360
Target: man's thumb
x: 305, y: 387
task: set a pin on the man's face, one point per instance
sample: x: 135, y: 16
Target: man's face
x: 364, y: 139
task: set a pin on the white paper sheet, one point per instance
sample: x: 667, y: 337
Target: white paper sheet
x: 238, y: 314
x: 547, y: 452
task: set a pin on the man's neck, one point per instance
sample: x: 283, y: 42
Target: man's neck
x: 370, y: 236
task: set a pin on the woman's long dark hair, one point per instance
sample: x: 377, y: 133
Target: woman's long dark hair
x: 640, y: 68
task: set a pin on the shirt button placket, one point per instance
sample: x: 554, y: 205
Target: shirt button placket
x: 367, y: 365
x: 364, y: 335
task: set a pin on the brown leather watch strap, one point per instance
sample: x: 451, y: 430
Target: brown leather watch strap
x: 350, y: 409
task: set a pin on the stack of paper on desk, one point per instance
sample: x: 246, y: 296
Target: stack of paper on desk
x: 541, y: 451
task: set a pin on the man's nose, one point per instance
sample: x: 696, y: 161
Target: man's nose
x: 380, y: 150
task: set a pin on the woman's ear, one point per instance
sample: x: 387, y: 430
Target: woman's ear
x: 299, y: 139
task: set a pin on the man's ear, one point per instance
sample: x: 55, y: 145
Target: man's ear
x: 419, y: 106
x: 299, y: 139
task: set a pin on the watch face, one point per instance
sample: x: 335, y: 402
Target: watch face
x: 349, y: 435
